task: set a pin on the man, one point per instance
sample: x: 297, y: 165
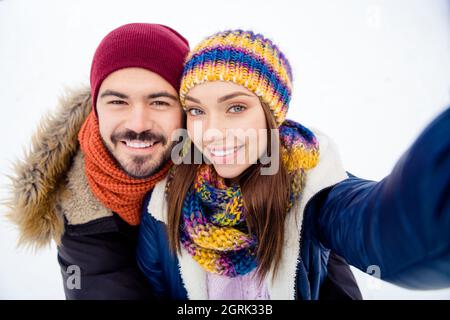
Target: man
x: 87, y: 196
x: 90, y: 166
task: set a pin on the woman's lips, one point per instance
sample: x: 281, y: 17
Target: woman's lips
x: 223, y: 155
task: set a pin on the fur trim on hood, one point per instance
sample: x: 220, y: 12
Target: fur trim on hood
x: 38, y: 179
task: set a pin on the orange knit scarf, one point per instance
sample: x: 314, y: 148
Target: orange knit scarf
x: 109, y: 183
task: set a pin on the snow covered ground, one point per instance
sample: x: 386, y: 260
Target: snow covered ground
x: 369, y: 73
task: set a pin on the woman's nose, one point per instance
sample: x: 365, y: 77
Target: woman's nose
x: 214, y: 129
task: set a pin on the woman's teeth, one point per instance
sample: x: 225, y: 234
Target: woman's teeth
x: 223, y: 152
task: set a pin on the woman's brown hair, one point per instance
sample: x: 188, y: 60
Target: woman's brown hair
x: 266, y: 199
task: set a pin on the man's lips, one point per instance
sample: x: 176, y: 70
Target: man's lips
x: 137, y: 145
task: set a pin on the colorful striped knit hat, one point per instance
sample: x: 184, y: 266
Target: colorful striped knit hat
x: 247, y: 59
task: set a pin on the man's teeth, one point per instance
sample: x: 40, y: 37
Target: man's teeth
x: 222, y: 152
x: 141, y: 145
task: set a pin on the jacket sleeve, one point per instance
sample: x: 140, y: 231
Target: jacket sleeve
x: 98, y: 261
x: 400, y: 226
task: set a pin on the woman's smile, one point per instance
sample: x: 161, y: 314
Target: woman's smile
x: 223, y: 155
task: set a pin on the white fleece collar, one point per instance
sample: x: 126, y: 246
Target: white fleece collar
x: 193, y: 276
x: 328, y: 171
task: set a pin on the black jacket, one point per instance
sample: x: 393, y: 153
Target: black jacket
x: 104, y: 250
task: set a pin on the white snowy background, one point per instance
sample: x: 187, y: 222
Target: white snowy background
x: 369, y: 73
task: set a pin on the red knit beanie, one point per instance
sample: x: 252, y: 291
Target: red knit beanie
x: 154, y: 47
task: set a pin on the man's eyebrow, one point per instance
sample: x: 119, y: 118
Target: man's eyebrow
x: 232, y: 95
x: 113, y: 93
x: 162, y: 94
x: 192, y: 99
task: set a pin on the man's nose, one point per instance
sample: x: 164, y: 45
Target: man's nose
x: 139, y: 119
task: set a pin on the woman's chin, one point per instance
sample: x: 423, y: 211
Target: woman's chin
x: 230, y: 171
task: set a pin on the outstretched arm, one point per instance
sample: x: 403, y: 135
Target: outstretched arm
x: 400, y: 224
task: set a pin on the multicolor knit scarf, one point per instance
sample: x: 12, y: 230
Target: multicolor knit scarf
x: 109, y: 183
x: 213, y: 228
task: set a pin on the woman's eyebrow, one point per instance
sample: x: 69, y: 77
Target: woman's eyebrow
x: 192, y: 99
x: 232, y: 95
x: 221, y: 99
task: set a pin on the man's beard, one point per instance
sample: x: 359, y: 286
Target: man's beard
x: 140, y: 167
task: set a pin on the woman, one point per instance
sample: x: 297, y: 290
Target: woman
x: 257, y: 218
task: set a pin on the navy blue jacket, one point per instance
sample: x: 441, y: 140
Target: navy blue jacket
x: 400, y: 225
x: 163, y: 271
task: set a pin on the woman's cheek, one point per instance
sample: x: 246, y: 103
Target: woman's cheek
x: 195, y: 133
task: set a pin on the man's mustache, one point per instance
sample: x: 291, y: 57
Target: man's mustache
x: 144, y: 136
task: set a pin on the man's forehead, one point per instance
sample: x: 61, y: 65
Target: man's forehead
x: 137, y: 79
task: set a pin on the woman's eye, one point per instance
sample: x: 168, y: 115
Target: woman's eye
x: 237, y: 108
x: 195, y: 112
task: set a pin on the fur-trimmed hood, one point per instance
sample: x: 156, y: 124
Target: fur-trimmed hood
x: 39, y: 189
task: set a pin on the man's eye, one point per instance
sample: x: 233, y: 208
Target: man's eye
x: 195, y: 112
x: 237, y: 108
x: 117, y: 102
x: 160, y: 103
